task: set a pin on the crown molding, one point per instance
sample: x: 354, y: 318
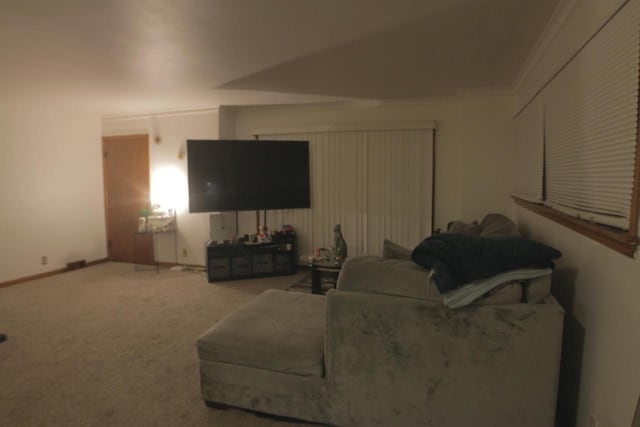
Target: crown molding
x: 162, y: 113
x: 350, y: 105
x: 549, y: 33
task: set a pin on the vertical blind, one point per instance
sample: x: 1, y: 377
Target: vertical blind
x: 376, y: 183
x: 586, y: 120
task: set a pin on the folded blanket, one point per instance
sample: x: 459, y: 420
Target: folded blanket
x: 459, y: 259
x: 469, y: 293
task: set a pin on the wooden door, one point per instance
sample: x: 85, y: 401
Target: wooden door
x: 126, y: 188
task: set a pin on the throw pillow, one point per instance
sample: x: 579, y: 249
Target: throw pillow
x: 463, y: 227
x: 391, y: 250
x: 494, y: 225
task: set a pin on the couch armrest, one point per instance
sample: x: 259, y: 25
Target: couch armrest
x: 404, y: 361
x: 373, y: 274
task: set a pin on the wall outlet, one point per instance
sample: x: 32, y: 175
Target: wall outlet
x: 184, y: 253
x: 44, y: 260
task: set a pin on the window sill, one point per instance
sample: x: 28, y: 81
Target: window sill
x: 619, y: 241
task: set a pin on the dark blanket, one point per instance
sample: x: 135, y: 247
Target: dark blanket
x: 458, y: 259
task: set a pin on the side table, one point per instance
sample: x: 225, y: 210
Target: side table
x: 154, y: 234
x: 320, y: 267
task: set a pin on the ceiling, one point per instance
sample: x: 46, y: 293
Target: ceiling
x: 120, y: 57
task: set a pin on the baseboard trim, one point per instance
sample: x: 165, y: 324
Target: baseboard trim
x: 47, y: 274
x: 172, y: 264
x: 97, y: 261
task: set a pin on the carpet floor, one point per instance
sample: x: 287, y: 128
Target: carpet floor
x: 108, y: 346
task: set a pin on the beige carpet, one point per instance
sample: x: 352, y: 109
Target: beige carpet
x: 108, y: 346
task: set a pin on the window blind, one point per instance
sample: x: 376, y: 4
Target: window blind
x: 590, y: 113
x: 376, y: 183
x: 529, y: 151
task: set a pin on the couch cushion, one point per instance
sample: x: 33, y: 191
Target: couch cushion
x: 536, y: 290
x: 278, y: 331
x: 378, y: 275
x: 391, y: 250
x: 463, y: 227
x: 495, y: 225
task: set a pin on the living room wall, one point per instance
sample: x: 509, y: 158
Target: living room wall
x: 52, y: 193
x: 169, y: 173
x: 597, y: 286
x: 473, y: 144
x: 473, y: 151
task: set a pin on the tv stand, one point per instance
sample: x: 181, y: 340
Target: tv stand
x: 241, y: 261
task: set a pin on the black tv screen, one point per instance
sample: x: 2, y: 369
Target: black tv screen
x: 230, y: 175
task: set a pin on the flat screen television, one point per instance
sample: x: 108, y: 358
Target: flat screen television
x: 238, y: 175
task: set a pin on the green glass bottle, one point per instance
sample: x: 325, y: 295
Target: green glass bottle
x: 339, y: 244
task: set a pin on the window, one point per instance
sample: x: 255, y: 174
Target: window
x: 584, y: 125
x: 375, y: 179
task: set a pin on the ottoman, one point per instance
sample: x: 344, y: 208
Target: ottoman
x: 268, y: 356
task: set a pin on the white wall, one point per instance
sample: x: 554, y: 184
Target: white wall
x: 51, y: 189
x: 576, y: 26
x: 485, y: 134
x: 169, y: 174
x: 473, y: 144
x: 599, y: 288
x: 473, y: 152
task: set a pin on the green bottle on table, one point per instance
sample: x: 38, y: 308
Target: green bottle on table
x: 339, y: 244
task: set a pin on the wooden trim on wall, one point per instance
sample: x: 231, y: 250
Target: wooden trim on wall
x: 47, y: 274
x: 618, y: 240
